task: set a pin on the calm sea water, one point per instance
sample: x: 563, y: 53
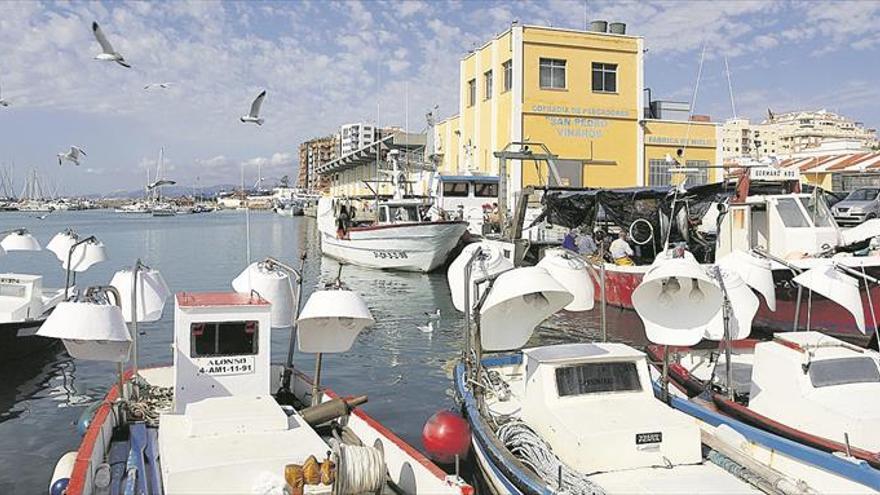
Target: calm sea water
x: 405, y: 372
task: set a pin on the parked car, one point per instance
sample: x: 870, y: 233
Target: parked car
x: 860, y: 205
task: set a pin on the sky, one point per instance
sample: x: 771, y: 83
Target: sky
x: 328, y: 63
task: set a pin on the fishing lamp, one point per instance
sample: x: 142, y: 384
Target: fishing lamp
x: 19, y: 240
x: 754, y: 271
x: 142, y: 298
x: 489, y: 263
x: 571, y: 272
x: 331, y: 320
x: 519, y: 300
x: 90, y: 330
x: 272, y: 284
x: 743, y: 304
x: 61, y: 243
x: 85, y: 253
x: 839, y: 287
x: 676, y: 300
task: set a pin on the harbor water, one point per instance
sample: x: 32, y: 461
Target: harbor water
x: 405, y: 372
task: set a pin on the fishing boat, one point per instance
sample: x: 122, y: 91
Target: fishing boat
x: 568, y: 418
x: 24, y: 302
x: 164, y: 210
x: 221, y: 418
x: 139, y: 207
x: 784, y: 401
x: 400, y: 239
x: 768, y: 216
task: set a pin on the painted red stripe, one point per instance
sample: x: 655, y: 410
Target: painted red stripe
x: 84, y: 455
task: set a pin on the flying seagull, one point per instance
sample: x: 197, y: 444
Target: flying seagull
x: 164, y: 85
x: 3, y: 103
x: 254, y: 115
x: 73, y: 155
x: 108, y: 54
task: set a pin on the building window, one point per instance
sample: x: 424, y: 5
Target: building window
x: 604, y: 77
x: 700, y: 175
x: 487, y: 78
x: 472, y: 92
x: 658, y: 173
x: 507, y: 67
x: 552, y: 75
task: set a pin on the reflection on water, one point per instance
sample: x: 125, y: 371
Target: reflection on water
x: 404, y: 371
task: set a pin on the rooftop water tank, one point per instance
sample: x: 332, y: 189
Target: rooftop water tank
x: 617, y: 28
x: 599, y: 26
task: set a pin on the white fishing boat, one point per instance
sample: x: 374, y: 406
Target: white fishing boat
x: 221, y: 419
x: 139, y: 207
x: 164, y: 210
x: 24, y: 302
x: 568, y: 418
x: 400, y: 239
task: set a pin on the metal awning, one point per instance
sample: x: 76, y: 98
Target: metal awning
x: 407, y: 144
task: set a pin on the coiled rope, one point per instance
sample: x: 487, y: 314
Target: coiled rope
x: 535, y: 453
x: 358, y: 469
x: 152, y: 401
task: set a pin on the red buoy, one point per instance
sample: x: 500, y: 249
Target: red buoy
x: 445, y: 435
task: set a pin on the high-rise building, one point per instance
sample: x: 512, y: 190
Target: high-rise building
x: 353, y: 137
x: 313, y: 153
x: 791, y: 133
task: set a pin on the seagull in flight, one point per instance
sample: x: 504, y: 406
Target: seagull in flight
x: 254, y: 114
x: 108, y: 54
x: 3, y: 103
x: 73, y: 155
x: 164, y: 85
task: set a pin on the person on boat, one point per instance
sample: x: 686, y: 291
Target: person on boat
x: 603, y: 243
x: 342, y: 222
x: 586, y: 246
x: 621, y: 252
x: 568, y: 241
x: 459, y: 213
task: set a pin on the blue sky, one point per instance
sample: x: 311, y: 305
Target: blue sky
x: 326, y: 63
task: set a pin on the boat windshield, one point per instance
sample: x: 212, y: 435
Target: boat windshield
x: 590, y: 378
x: 231, y: 338
x: 12, y: 290
x: 791, y: 213
x: 819, y: 212
x: 844, y: 371
x: 404, y: 213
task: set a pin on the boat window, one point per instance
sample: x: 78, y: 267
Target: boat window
x: 405, y: 213
x: 486, y: 190
x: 592, y: 378
x: 819, y: 212
x: 231, y: 338
x: 791, y: 213
x: 12, y: 290
x: 383, y: 214
x: 455, y: 189
x: 843, y: 371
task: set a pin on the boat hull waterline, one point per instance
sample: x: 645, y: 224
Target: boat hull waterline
x: 417, y: 247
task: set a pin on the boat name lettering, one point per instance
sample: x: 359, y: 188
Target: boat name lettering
x: 238, y: 365
x: 653, y: 437
x: 390, y: 255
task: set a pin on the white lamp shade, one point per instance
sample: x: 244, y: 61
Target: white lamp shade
x: 60, y: 245
x: 839, y: 287
x: 2, y: 251
x: 494, y: 261
x: 571, y: 272
x: 85, y: 255
x: 331, y: 320
x: 272, y: 285
x: 94, y: 332
x: 755, y: 272
x: 519, y: 301
x: 20, y: 241
x: 151, y: 293
x: 674, y: 309
x: 743, y: 306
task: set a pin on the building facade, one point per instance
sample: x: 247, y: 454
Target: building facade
x: 312, y: 154
x: 580, y: 93
x: 353, y: 137
x: 791, y: 133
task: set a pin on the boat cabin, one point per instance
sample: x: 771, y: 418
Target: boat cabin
x: 610, y: 384
x: 401, y: 211
x: 226, y: 430
x: 22, y: 297
x: 820, y: 385
x: 467, y: 194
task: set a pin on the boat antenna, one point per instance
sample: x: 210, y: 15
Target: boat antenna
x: 687, y: 133
x: 376, y: 131
x: 729, y: 87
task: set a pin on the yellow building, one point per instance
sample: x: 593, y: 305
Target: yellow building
x: 581, y: 93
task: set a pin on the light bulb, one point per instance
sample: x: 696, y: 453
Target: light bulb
x: 536, y: 300
x: 673, y: 285
x: 696, y: 295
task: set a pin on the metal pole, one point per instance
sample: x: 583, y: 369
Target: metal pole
x: 604, y: 304
x: 665, y: 380
x: 468, y: 272
x: 316, y: 386
x: 725, y: 307
x: 797, y: 308
x: 70, y: 259
x: 134, y: 325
